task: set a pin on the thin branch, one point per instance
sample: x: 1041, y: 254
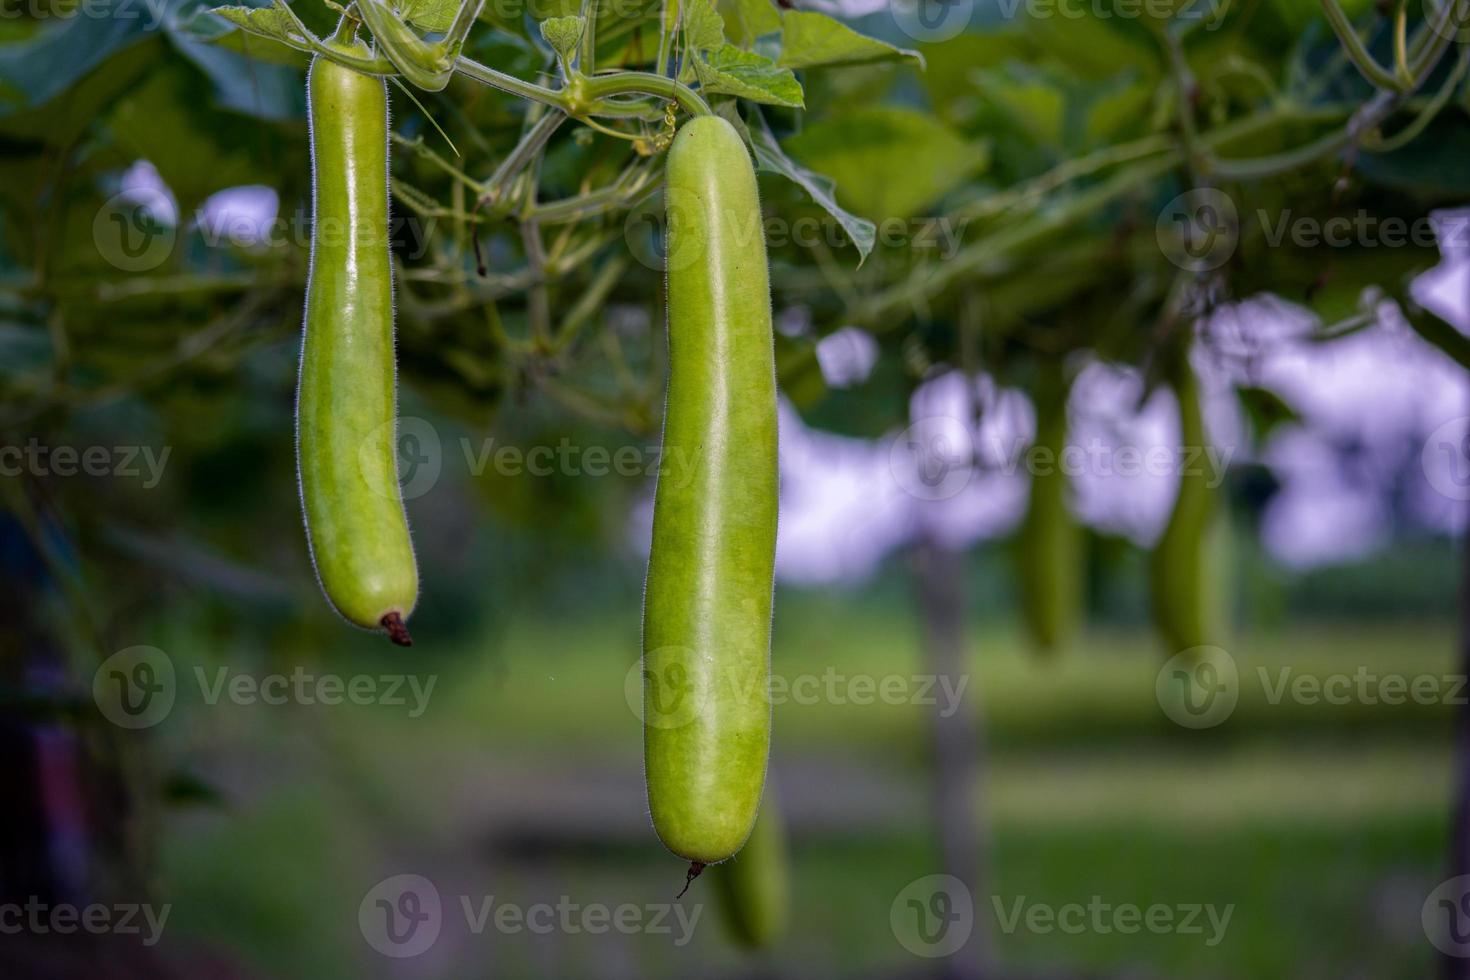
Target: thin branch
x: 509, y: 83
x: 1356, y: 51
x: 590, y: 301
x: 418, y: 146
x: 531, y: 143
x: 1409, y: 133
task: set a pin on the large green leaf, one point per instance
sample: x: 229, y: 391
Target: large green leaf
x: 1033, y: 101
x: 809, y: 39
x: 224, y: 32
x: 1092, y: 47
x: 746, y: 20
x: 951, y: 67
x: 242, y: 80
x: 747, y: 75
x: 888, y: 162
x: 36, y: 71
x: 704, y: 30
x: 771, y: 158
x: 66, y: 117
x: 275, y: 24
x: 434, y: 16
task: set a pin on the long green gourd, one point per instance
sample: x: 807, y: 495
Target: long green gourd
x: 754, y: 887
x: 1050, y: 555
x: 347, y: 400
x: 707, y: 603
x: 1185, y: 576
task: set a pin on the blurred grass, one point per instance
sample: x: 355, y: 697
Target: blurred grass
x: 1321, y: 825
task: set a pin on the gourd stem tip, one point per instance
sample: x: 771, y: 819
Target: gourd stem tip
x: 695, y: 867
x: 397, y: 631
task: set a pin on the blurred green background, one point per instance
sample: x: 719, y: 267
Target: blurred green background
x: 1321, y: 826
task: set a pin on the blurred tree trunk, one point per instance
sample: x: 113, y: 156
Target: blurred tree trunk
x: 69, y: 834
x: 1458, y: 967
x: 958, y: 753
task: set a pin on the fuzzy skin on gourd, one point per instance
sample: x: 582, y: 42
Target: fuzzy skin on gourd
x: 347, y: 400
x: 707, y: 601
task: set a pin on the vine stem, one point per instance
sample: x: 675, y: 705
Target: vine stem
x: 594, y: 89
x: 994, y: 248
x: 591, y: 300
x: 1370, y: 114
x: 486, y: 75
x: 1441, y: 98
x: 1356, y: 51
x: 587, y: 62
x: 517, y: 160
x: 626, y: 188
x: 666, y: 32
x: 1062, y: 174
x: 646, y: 83
x: 1429, y: 45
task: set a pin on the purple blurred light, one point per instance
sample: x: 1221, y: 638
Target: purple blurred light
x: 847, y: 357
x: 142, y: 185
x: 239, y: 216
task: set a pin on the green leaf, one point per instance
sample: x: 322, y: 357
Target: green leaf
x: 563, y: 33
x: 1116, y: 109
x: 949, y: 67
x: 746, y: 20
x: 748, y: 76
x: 1033, y: 100
x: 809, y: 39
x: 1094, y: 48
x: 35, y: 71
x: 224, y: 33
x: 888, y: 162
x: 276, y: 23
x: 704, y: 30
x: 252, y: 75
x: 771, y: 158
x: 279, y: 23
x: 434, y: 16
x: 88, y: 97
